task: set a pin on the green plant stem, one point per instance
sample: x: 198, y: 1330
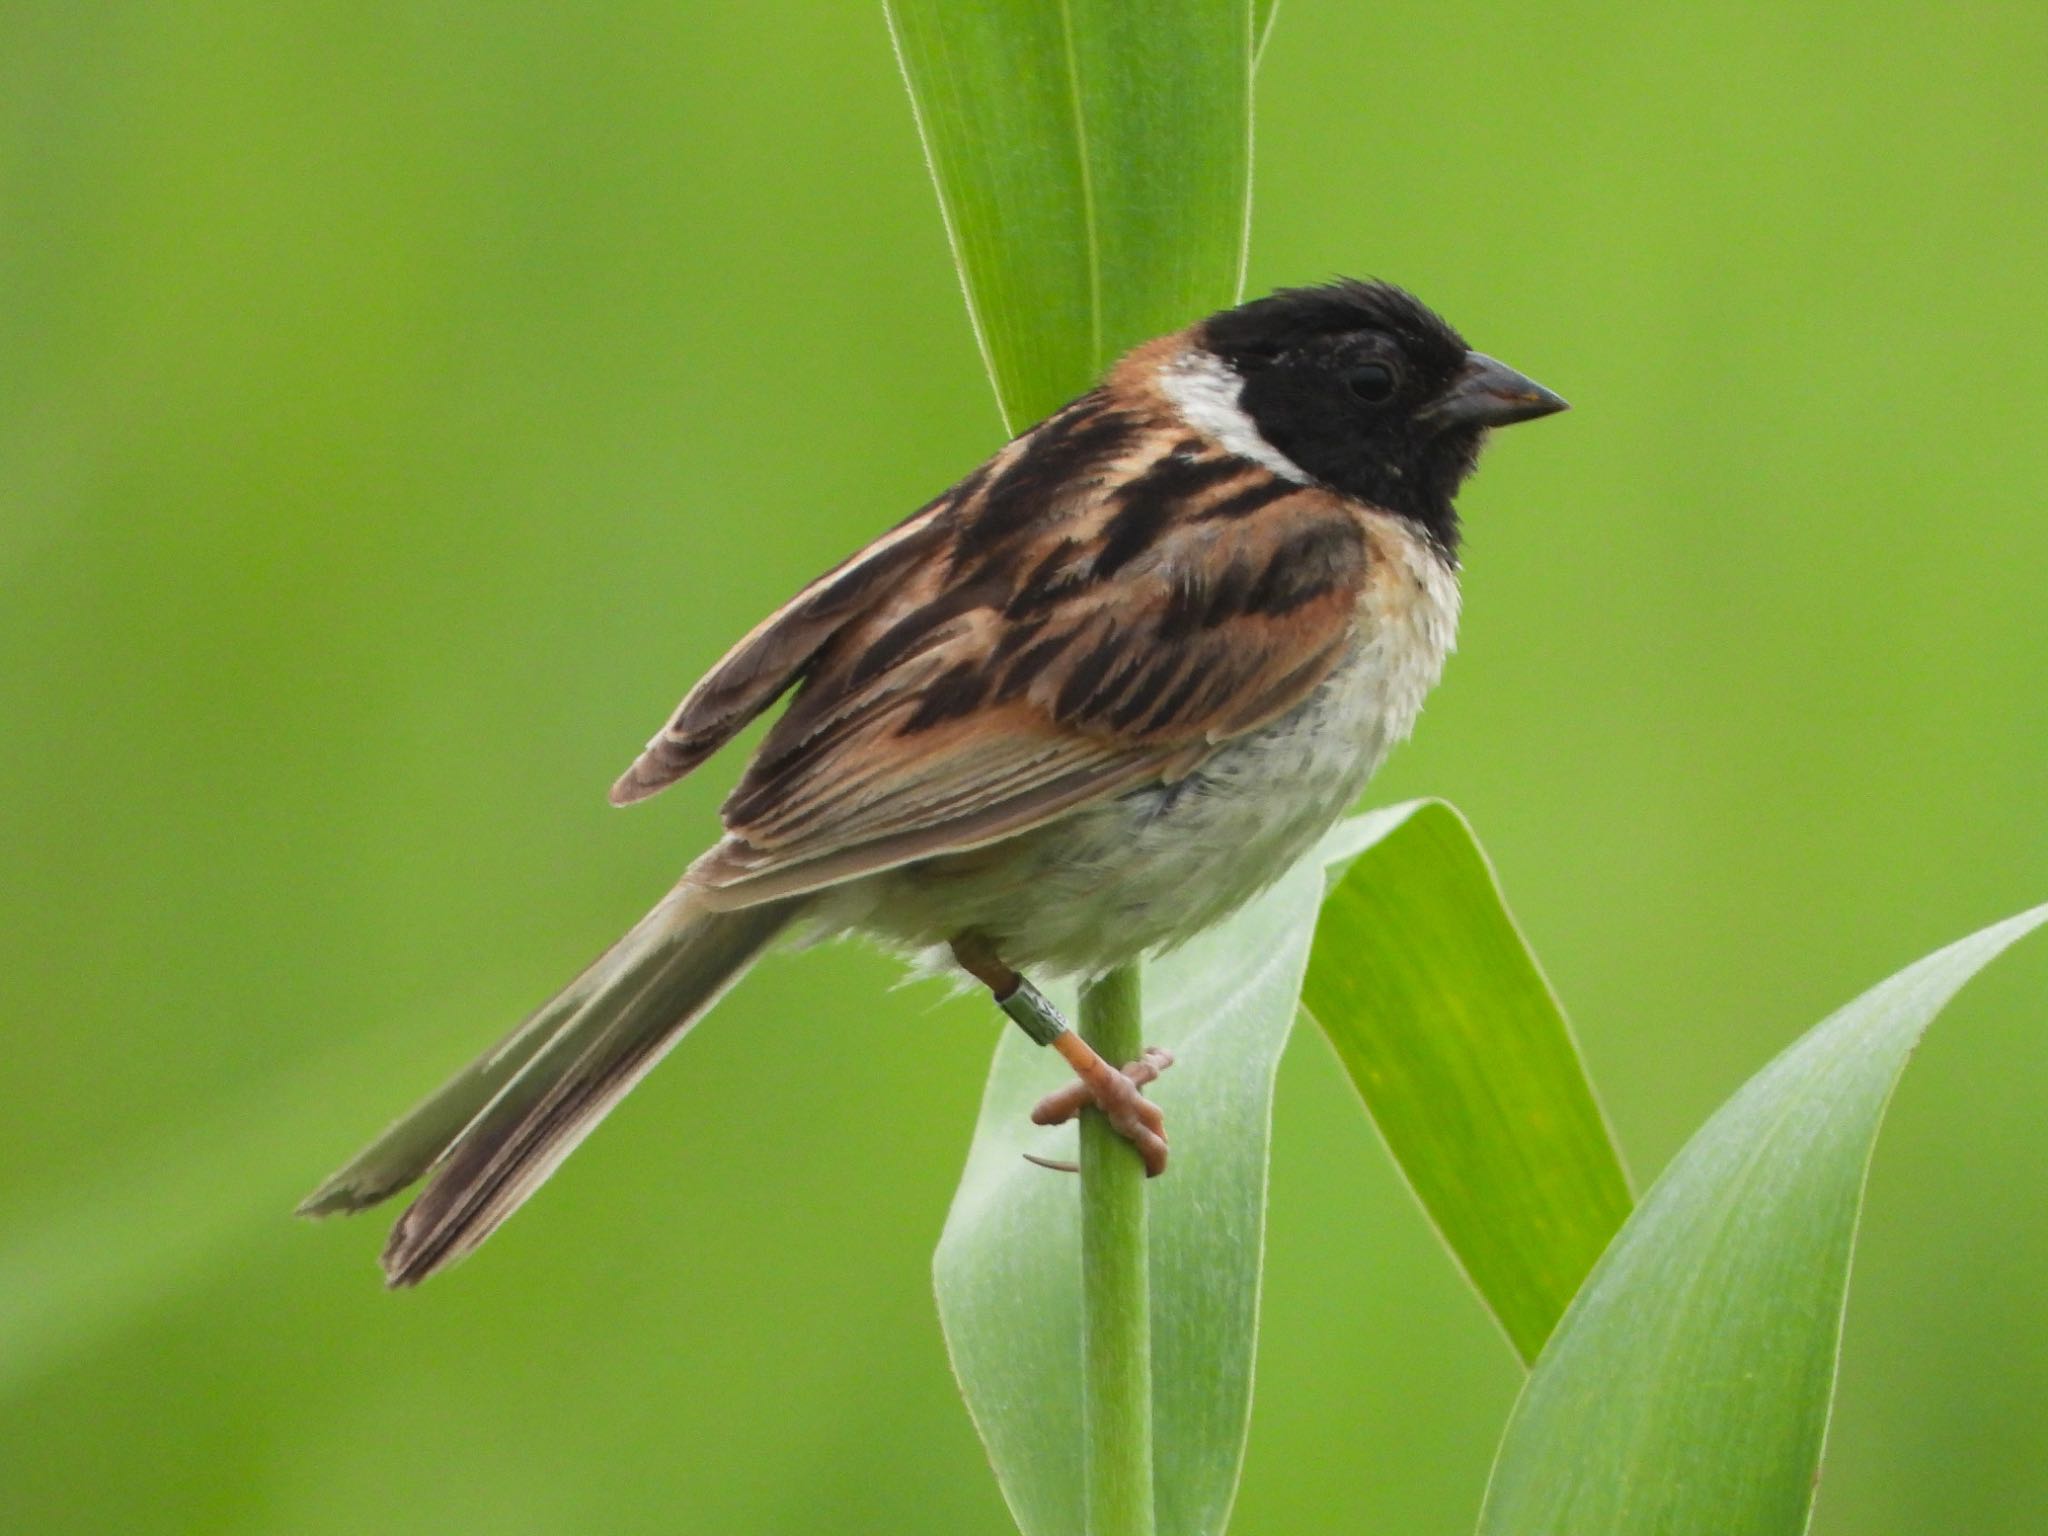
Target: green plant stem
x: 1116, y: 1298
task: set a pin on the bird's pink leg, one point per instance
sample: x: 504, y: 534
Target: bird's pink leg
x: 1114, y: 1092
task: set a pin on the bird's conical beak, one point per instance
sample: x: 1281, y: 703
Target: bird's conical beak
x: 1488, y: 393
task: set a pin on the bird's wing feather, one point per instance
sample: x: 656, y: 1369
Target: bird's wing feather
x: 1046, y: 650
x: 783, y: 647
x: 758, y: 670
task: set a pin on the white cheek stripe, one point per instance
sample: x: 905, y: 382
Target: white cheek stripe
x: 1205, y: 390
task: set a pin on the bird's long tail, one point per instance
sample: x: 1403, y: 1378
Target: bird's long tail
x: 496, y: 1130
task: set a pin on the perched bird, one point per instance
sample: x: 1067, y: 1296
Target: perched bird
x: 1075, y: 710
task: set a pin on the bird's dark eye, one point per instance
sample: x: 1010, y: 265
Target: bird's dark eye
x: 1370, y: 381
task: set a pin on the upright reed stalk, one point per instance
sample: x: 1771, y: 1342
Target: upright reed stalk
x: 1116, y: 1297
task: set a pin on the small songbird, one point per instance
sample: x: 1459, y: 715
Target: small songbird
x: 1081, y: 706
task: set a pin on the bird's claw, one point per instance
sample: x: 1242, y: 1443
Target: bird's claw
x: 1133, y: 1116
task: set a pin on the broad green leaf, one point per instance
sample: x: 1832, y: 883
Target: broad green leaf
x: 1007, y: 1268
x: 1448, y: 1029
x: 1008, y: 1264
x: 1093, y: 160
x: 1687, y: 1390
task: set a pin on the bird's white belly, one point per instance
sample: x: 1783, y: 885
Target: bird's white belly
x: 1152, y: 868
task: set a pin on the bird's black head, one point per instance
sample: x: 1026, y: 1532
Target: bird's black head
x: 1372, y: 393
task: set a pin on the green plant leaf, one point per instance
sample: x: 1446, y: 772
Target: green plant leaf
x: 1008, y: 1264
x: 1686, y: 1392
x: 1093, y: 160
x: 1459, y: 1048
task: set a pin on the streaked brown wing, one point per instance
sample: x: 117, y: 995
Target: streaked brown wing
x: 1007, y: 493
x: 757, y: 671
x: 1030, y: 789
x: 1107, y: 632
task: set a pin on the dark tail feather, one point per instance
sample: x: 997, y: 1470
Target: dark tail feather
x: 526, y: 1105
x: 415, y: 1143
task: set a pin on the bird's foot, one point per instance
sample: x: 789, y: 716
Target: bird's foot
x: 1133, y: 1116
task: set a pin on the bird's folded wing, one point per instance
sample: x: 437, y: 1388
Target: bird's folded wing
x: 1097, y: 654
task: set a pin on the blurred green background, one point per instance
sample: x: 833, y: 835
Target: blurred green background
x: 399, y: 404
